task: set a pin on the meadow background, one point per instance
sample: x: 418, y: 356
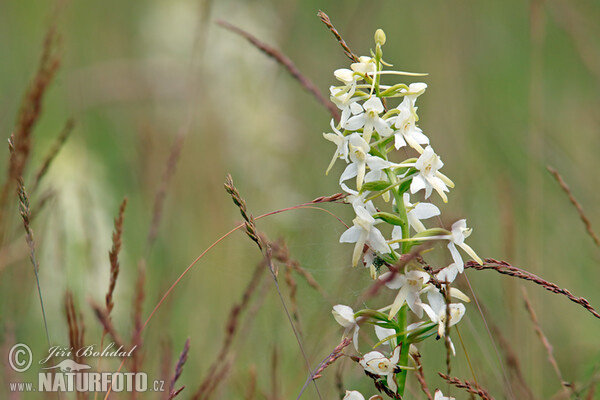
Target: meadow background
x: 513, y: 87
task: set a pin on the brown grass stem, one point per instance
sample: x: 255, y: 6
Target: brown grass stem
x: 546, y: 343
x: 505, y: 268
x: 76, y: 327
x: 161, y: 192
x: 31, y: 109
x: 323, y: 199
x: 576, y: 204
x: 51, y: 155
x: 113, y: 256
x: 288, y: 65
x: 25, y: 212
x: 470, y: 387
x: 179, y: 370
x: 327, y: 21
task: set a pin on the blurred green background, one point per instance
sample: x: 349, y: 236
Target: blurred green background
x: 513, y: 87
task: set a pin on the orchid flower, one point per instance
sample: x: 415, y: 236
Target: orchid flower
x: 429, y: 178
x: 410, y: 284
x: 344, y: 316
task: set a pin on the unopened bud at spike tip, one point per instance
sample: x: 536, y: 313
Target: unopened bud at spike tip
x: 380, y: 37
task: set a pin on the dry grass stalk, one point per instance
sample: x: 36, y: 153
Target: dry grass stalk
x: 107, y: 324
x: 241, y: 204
x: 288, y: 65
x: 421, y: 376
x: 331, y: 358
x: 178, y: 370
x: 10, y: 375
x: 231, y: 328
x: 58, y: 144
x: 161, y: 193
x: 42, y: 201
x: 327, y: 21
x: 512, y: 361
x: 470, y: 387
x: 546, y: 343
x: 76, y: 330
x: 282, y: 254
x: 274, y: 395
x: 113, y: 256
x: 166, y: 354
x: 293, y: 295
x: 505, y: 268
x: 576, y: 204
x: 138, y: 307
x: 222, y: 370
x: 25, y: 212
x: 251, y: 385
x: 266, y: 250
x: 31, y: 108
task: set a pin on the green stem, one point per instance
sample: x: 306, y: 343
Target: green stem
x: 401, y: 340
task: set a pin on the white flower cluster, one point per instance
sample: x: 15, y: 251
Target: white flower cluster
x: 370, y: 130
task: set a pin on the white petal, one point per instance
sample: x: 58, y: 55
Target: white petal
x: 398, y: 301
x: 457, y: 294
x: 448, y: 274
x: 399, y: 140
x: 382, y: 127
x: 350, y: 172
x: 456, y: 257
x: 344, y: 315
x: 355, y: 122
x: 383, y: 333
x: 354, y: 395
x: 391, y: 381
x: 351, y: 235
x: 377, y: 242
x: 432, y: 314
x: 436, y: 300
x: 425, y: 211
x: 355, y: 337
x: 419, y: 137
x: 417, y: 184
x: 394, y: 283
x: 374, y: 103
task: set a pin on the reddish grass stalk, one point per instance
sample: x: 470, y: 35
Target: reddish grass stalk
x: 282, y: 254
x: 421, y: 376
x: 327, y: 21
x: 331, y: 358
x: 58, y: 144
x: 288, y: 65
x: 178, y: 370
x: 31, y: 108
x: 470, y: 387
x: 545, y: 343
x: 576, y: 204
x: 512, y: 360
x: 106, y: 322
x: 25, y: 212
x: 113, y: 256
x: 161, y: 193
x: 251, y: 386
x: 505, y: 268
x: 138, y: 304
x: 76, y: 326
x: 231, y: 328
x: 322, y: 199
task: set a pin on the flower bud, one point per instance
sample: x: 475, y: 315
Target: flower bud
x: 344, y: 315
x: 380, y: 37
